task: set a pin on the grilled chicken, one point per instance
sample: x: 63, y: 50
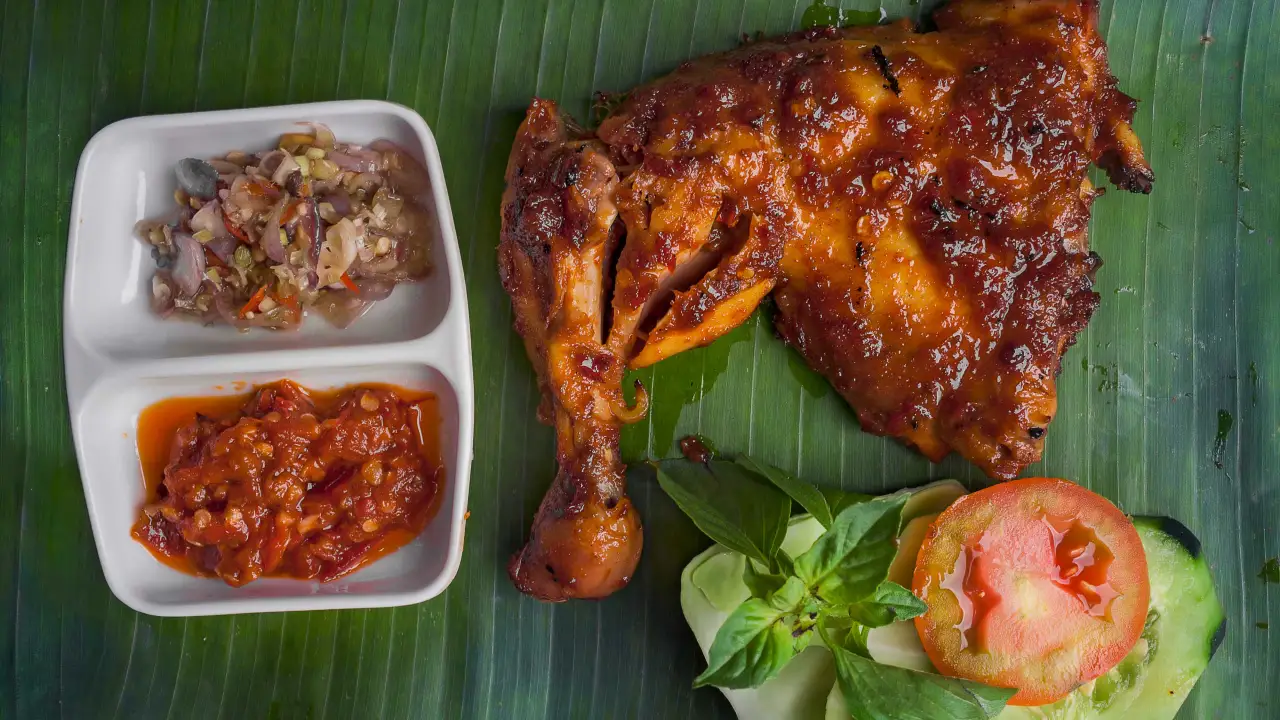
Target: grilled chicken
x: 917, y: 204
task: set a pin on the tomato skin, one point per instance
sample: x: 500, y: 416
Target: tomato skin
x: 1036, y: 584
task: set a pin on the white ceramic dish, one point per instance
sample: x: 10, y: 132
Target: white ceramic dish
x: 120, y: 357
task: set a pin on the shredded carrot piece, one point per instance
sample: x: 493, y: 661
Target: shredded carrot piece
x: 254, y: 301
x: 351, y: 285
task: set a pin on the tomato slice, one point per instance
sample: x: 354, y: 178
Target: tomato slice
x: 1035, y: 584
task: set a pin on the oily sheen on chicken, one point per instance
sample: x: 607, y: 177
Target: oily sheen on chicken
x: 916, y: 203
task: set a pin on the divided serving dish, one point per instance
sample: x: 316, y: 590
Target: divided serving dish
x: 120, y: 357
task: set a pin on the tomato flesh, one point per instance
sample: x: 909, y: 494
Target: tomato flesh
x: 1036, y: 584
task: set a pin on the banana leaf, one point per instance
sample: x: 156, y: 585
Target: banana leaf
x: 1168, y: 401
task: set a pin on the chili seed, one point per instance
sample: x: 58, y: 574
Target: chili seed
x: 202, y: 518
x: 369, y: 402
x: 371, y: 471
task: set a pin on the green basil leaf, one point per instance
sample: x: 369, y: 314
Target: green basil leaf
x: 883, y: 692
x: 839, y: 499
x: 852, y: 557
x: 790, y: 597
x: 890, y: 603
x: 729, y: 505
x: 762, y: 584
x: 757, y: 640
x: 822, y: 503
x: 838, y: 630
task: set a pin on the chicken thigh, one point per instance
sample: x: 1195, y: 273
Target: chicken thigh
x: 916, y: 203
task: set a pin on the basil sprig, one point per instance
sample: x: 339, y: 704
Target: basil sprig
x: 838, y: 588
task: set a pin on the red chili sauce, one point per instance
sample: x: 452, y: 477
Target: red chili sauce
x: 287, y: 482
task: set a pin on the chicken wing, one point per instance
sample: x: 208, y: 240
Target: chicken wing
x: 917, y: 204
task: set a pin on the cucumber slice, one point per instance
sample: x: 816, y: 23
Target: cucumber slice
x: 1185, y: 625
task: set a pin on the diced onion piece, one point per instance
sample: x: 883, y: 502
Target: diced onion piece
x: 342, y: 243
x: 324, y: 136
x: 287, y: 166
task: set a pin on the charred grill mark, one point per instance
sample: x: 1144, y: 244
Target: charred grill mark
x: 882, y: 62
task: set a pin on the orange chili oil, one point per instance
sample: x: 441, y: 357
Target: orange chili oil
x: 287, y: 482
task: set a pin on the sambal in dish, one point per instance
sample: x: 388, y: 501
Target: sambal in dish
x: 287, y: 482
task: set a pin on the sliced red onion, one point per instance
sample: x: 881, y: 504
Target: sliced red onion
x: 340, y: 201
x: 386, y: 146
x: 271, y: 244
x: 406, y: 173
x: 309, y: 222
x: 355, y: 160
x: 223, y: 247
x: 188, y: 269
x: 271, y: 161
x: 210, y: 218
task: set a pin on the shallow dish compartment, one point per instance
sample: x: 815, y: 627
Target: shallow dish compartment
x: 106, y: 428
x: 126, y: 174
x: 120, y: 358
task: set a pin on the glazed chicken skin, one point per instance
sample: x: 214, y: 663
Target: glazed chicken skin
x: 916, y: 203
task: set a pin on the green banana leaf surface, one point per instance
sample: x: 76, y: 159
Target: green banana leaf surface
x: 1168, y: 402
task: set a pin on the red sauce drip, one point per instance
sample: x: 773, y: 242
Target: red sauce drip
x: 1081, y: 563
x: 974, y: 598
